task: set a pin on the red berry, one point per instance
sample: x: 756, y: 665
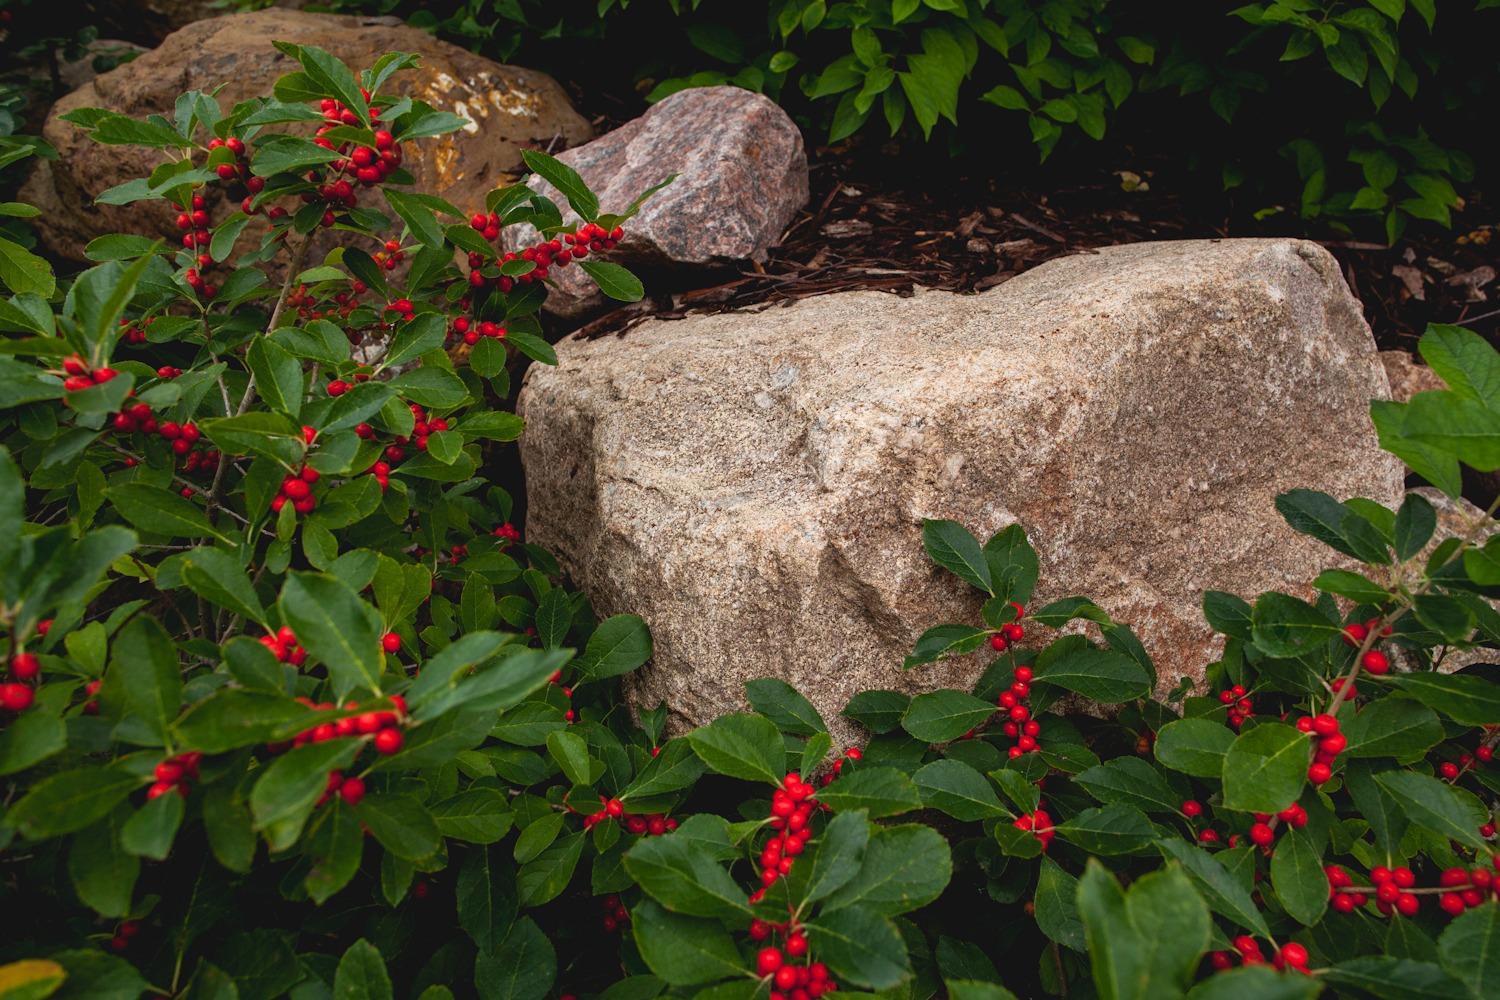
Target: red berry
x: 1294, y: 954
x: 1325, y: 725
x: 1448, y: 769
x: 1319, y: 773
x: 391, y: 642
x: 1407, y: 905
x: 1375, y: 662
x: 796, y: 945
x: 25, y: 666
x: 16, y: 697
x: 352, y: 790
x: 388, y: 741
x: 1261, y: 835
x: 768, y: 962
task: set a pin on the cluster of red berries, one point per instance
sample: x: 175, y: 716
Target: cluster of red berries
x: 337, y: 387
x: 791, y: 815
x: 545, y: 255
x: 284, y: 646
x: 1395, y: 890
x: 382, y: 725
x: 351, y: 790
x: 133, y: 331
x: 1263, y: 834
x: 793, y: 982
x: 240, y: 167
x: 853, y: 753
x: 1019, y: 724
x: 471, y: 333
x: 297, y: 491
x: 167, y: 371
x: 1240, y: 706
x: 1011, y: 633
x: 390, y: 256
x: 1291, y: 955
x: 1374, y: 661
x: 306, y: 304
x: 369, y: 166
x: 1038, y: 823
x: 509, y: 532
x: 653, y: 825
x: 123, y: 936
x: 1325, y: 729
x: 176, y: 774
x: 81, y: 377
x: 91, y: 706
x: 17, y: 696
x: 615, y: 914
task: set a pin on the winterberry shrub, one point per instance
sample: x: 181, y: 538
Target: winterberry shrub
x: 262, y: 615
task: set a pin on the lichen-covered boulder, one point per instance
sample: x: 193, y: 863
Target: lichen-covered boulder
x: 753, y: 484
x: 509, y: 108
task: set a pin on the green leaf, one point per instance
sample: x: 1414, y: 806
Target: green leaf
x: 1465, y: 361
x: 216, y: 575
x: 289, y: 155
x: 1146, y: 943
x: 532, y: 346
x: 1415, y: 523
x: 1057, y: 908
x: 676, y: 767
x: 1392, y: 727
x: 619, y: 645
x: 1196, y: 747
x: 683, y: 950
x: 486, y: 897
x: 1059, y: 613
x: 542, y: 880
x: 860, y: 947
x: 361, y: 974
x: 839, y: 855
x: 401, y: 823
x: 685, y: 879
x: 1113, y: 829
x: 423, y: 334
x: 951, y: 546
x: 1225, y: 896
x: 1354, y: 586
x: 286, y: 791
x: 150, y: 832
x: 958, y: 790
x: 741, y: 746
x: 1012, y: 563
x: 1470, y: 949
x: 1227, y: 614
x: 159, y: 512
x: 566, y: 180
x: 554, y: 616
x: 478, y: 816
x: 23, y: 271
x: 1100, y: 674
x: 336, y: 627
x: 782, y: 704
x: 877, y: 711
x: 1287, y: 627
x: 70, y: 800
x: 1131, y: 781
x: 883, y: 791
x: 333, y: 847
x: 1297, y: 876
x: 571, y: 754
x: 29, y: 739
x: 235, y: 718
x: 417, y: 215
x: 103, y: 873
x: 942, y: 641
x: 1466, y: 699
x: 905, y: 868
x: 614, y: 280
x: 145, y: 670
x: 1265, y: 769
x: 1255, y: 982
x: 523, y: 967
x: 940, y: 716
x: 1393, y: 978
x: 432, y: 387
x: 1439, y: 807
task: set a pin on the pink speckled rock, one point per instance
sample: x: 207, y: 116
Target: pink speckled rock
x: 742, y: 178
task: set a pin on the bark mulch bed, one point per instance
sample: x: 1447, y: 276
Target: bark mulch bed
x: 866, y: 227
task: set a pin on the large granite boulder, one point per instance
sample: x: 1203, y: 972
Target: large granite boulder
x: 753, y: 484
x: 741, y: 180
x: 509, y: 109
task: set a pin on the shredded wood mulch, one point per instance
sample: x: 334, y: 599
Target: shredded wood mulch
x: 863, y: 231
